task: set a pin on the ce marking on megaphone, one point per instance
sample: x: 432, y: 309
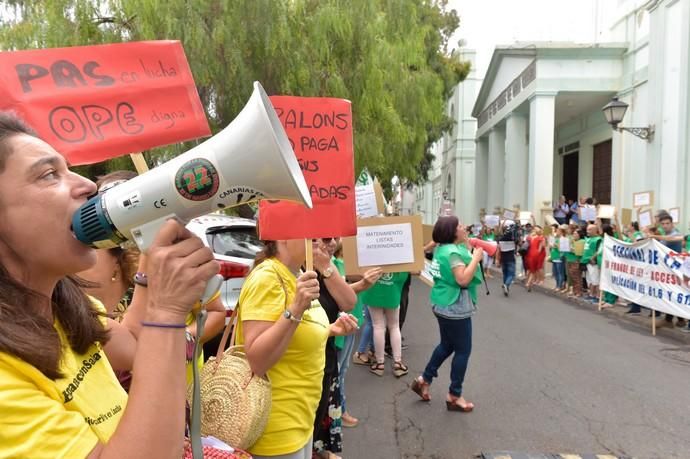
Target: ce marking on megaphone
x: 160, y: 203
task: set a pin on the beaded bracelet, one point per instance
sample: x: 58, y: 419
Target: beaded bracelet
x: 140, y: 279
x: 161, y: 325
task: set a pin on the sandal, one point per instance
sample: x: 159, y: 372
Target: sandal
x: 348, y: 420
x: 453, y: 405
x: 421, y: 388
x: 377, y: 368
x: 399, y: 369
x: 359, y: 358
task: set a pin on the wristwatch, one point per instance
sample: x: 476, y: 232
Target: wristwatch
x: 291, y: 317
x: 327, y: 272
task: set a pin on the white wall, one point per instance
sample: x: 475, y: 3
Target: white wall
x: 509, y: 69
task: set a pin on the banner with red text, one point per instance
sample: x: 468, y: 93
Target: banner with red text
x: 93, y: 103
x: 320, y: 131
x: 647, y: 273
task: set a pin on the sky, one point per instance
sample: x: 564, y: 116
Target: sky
x: 487, y: 23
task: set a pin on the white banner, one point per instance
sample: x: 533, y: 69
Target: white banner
x: 647, y: 273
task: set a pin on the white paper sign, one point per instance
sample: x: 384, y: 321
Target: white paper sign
x: 491, y: 221
x: 525, y: 217
x: 588, y: 213
x: 366, y: 201
x: 606, y: 211
x: 426, y: 275
x: 645, y: 219
x: 385, y: 245
x: 642, y: 199
x: 675, y: 214
x: 509, y: 215
x: 564, y: 244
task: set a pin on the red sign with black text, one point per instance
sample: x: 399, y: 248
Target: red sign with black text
x: 320, y: 131
x: 93, y: 103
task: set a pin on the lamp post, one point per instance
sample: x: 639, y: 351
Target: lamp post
x: 614, y: 112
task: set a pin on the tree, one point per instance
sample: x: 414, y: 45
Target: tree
x: 389, y: 57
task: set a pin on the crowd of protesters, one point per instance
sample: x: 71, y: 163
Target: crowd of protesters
x: 574, y: 247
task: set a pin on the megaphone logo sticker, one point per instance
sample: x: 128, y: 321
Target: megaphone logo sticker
x: 197, y: 180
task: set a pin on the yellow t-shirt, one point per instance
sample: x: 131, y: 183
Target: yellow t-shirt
x: 297, y: 377
x: 42, y: 418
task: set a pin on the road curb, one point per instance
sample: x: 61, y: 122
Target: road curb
x: 616, y: 313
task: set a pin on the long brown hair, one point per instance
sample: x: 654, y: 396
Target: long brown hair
x: 270, y: 250
x: 25, y: 332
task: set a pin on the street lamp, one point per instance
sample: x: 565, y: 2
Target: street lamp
x: 614, y: 112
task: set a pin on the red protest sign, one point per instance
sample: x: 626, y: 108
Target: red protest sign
x: 320, y: 131
x: 93, y: 103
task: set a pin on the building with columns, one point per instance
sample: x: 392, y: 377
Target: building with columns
x: 452, y: 175
x: 540, y: 130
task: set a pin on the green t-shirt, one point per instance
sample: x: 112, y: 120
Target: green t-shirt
x: 446, y: 289
x: 489, y: 237
x: 357, y: 311
x: 687, y: 243
x: 555, y: 253
x: 590, y: 248
x: 386, y: 292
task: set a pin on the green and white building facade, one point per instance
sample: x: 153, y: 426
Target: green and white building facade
x: 533, y: 129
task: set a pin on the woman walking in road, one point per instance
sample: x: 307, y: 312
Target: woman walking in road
x: 453, y: 299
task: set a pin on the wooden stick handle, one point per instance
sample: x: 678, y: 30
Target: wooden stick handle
x: 309, y: 255
x: 139, y: 162
x: 653, y: 322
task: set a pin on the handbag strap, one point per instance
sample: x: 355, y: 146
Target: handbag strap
x: 197, y: 450
x: 232, y: 325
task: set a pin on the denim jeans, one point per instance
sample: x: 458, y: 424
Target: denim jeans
x: 456, y: 337
x: 344, y: 356
x: 558, y: 270
x: 508, y: 267
x: 366, y: 337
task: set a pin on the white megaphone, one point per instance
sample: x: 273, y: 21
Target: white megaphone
x: 249, y: 160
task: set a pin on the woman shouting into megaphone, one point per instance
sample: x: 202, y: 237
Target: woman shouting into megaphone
x: 58, y: 394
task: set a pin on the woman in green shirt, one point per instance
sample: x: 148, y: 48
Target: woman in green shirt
x: 383, y: 300
x: 453, y: 299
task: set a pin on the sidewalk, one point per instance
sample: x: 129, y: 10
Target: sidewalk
x: 618, y: 312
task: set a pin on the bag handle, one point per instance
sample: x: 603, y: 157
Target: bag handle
x: 232, y: 324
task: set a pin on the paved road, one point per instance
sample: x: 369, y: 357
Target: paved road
x: 545, y: 376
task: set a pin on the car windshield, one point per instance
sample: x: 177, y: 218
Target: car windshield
x: 239, y: 242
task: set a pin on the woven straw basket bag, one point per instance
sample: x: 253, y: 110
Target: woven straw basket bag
x: 235, y: 403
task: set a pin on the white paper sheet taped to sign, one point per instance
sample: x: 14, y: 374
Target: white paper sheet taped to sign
x: 366, y: 201
x: 385, y: 245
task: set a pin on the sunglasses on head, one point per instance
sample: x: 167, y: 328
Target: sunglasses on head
x: 325, y: 240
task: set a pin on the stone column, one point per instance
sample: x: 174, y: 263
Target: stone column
x: 517, y: 157
x: 541, y: 151
x: 497, y: 153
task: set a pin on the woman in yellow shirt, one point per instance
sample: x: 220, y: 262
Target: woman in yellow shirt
x: 284, y: 330
x: 58, y: 394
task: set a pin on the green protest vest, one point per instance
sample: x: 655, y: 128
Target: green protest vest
x: 446, y: 290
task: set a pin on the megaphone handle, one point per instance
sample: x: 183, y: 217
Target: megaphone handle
x: 212, y: 287
x: 486, y: 284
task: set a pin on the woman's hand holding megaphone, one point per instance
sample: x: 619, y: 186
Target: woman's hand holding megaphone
x: 179, y: 267
x: 477, y: 254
